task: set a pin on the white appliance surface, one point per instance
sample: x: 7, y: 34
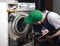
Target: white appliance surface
x: 3, y: 24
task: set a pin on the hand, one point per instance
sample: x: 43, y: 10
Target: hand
x: 41, y: 40
x: 36, y: 33
x: 49, y: 37
x: 45, y: 31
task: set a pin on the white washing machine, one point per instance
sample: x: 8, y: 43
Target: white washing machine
x: 16, y: 26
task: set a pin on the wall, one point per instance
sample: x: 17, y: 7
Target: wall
x: 6, y: 0
x: 3, y: 24
x: 56, y: 6
x: 3, y: 0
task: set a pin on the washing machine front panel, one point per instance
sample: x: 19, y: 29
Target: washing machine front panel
x: 18, y: 24
x: 18, y: 27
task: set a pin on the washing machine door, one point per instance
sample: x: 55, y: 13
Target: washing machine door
x: 17, y: 25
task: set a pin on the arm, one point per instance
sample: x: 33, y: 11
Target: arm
x: 56, y: 34
x: 54, y: 19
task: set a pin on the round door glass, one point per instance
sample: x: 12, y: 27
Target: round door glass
x: 21, y: 25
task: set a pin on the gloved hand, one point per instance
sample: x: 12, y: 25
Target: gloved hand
x: 44, y: 32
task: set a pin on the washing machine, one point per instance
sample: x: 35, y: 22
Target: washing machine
x: 17, y: 29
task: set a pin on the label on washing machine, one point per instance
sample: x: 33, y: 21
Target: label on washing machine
x: 21, y: 6
x: 26, y: 6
